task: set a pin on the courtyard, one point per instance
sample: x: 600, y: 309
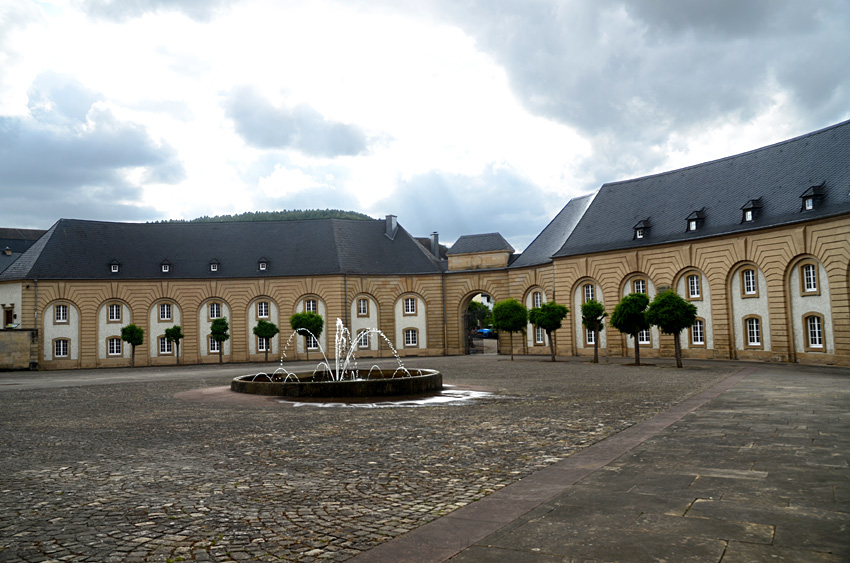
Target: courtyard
x: 161, y: 464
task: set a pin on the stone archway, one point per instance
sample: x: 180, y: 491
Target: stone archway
x: 476, y: 331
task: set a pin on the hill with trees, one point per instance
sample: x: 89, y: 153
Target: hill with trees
x: 283, y: 215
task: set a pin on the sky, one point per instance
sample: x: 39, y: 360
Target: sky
x: 457, y: 116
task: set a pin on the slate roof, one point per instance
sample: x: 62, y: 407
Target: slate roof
x: 77, y: 249
x: 555, y: 234
x: 778, y: 174
x: 489, y: 242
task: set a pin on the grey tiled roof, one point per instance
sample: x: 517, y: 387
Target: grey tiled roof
x: 778, y: 174
x: 75, y: 249
x: 552, y: 238
x: 489, y: 242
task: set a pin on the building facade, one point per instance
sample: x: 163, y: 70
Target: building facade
x: 758, y: 242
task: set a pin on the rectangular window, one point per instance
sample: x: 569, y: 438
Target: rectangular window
x: 213, y: 267
x: 166, y: 268
x: 114, y: 346
x: 215, y: 345
x: 409, y: 306
x: 639, y: 286
x: 312, y: 343
x: 263, y: 310
x: 589, y: 336
x: 638, y: 233
x: 644, y: 337
x: 164, y: 346
x: 61, y: 313
x: 810, y: 279
x: 114, y: 313
x: 363, y: 340
x: 748, y: 215
x: 693, y: 286
x: 750, y: 287
x: 692, y: 225
x: 753, y: 332
x: 815, y: 330
x: 262, y: 344
x: 114, y: 268
x: 589, y: 292
x: 60, y: 348
x: 362, y: 307
x: 536, y: 299
x: 698, y: 333
x: 165, y: 311
x: 215, y: 310
x: 310, y: 306
x: 809, y: 203
x: 538, y: 335
x: 411, y: 337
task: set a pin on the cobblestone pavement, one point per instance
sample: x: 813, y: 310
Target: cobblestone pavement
x: 117, y: 470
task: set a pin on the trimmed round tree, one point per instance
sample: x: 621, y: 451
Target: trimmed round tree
x: 219, y: 332
x: 510, y: 316
x: 308, y: 324
x: 592, y: 317
x: 629, y: 317
x: 134, y: 336
x: 672, y: 314
x: 175, y: 334
x: 548, y: 317
x: 266, y: 330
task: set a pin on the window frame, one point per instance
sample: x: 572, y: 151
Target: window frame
x: 109, y: 345
x: 109, y: 317
x: 749, y: 216
x: 362, y: 311
x: 693, y: 225
x: 690, y: 295
x: 648, y: 341
x: 64, y: 318
x: 363, y: 340
x: 645, y: 283
x: 589, y: 337
x: 536, y: 298
x: 263, y: 344
x: 539, y: 336
x: 268, y: 309
x: 807, y: 340
x: 743, y: 281
x: 311, y: 342
x: 114, y: 268
x: 214, y: 306
x: 691, y: 333
x: 808, y: 203
x: 639, y: 233
x: 584, y: 288
x: 57, y: 343
x: 748, y: 344
x: 411, y: 310
x: 311, y: 302
x: 804, y: 286
x: 214, y: 345
x: 166, y: 347
x: 213, y: 267
x: 411, y: 342
x: 170, y: 316
x: 166, y: 268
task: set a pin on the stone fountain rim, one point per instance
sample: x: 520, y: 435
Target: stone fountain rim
x: 427, y: 381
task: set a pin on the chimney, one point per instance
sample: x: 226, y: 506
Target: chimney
x: 392, y: 226
x: 435, y: 244
x: 7, y: 251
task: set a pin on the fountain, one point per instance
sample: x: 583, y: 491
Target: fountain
x: 344, y: 379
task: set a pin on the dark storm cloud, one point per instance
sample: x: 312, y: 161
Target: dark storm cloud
x: 302, y: 128
x: 498, y: 200
x: 67, y: 158
x: 119, y: 10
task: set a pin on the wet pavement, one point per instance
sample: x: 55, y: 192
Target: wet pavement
x: 137, y: 465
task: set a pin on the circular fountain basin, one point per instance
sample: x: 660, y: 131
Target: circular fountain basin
x: 312, y: 385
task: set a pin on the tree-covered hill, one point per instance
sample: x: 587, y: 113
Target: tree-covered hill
x: 283, y: 215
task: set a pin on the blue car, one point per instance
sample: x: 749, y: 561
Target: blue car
x: 486, y: 333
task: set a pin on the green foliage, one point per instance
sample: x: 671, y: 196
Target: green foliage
x: 134, y: 336
x: 629, y: 317
x: 283, y: 215
x: 267, y: 330
x: 309, y: 321
x: 219, y: 332
x: 478, y: 314
x: 672, y: 315
x: 548, y: 317
x: 592, y: 317
x: 510, y: 316
x: 175, y: 334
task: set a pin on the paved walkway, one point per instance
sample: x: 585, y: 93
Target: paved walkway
x: 756, y: 468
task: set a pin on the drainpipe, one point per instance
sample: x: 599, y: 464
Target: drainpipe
x: 445, y: 328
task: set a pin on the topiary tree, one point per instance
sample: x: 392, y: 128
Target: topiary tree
x: 134, y: 336
x: 219, y: 332
x: 175, y: 334
x: 266, y: 330
x: 310, y: 322
x: 629, y: 317
x: 592, y: 317
x: 548, y: 317
x: 511, y: 316
x: 477, y: 314
x: 672, y: 315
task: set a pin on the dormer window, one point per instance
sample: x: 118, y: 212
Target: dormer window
x: 114, y: 267
x: 263, y: 264
x: 751, y: 209
x: 214, y: 265
x: 641, y: 229
x: 812, y: 196
x: 165, y: 266
x: 696, y: 219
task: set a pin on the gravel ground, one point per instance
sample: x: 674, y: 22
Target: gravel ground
x: 124, y: 471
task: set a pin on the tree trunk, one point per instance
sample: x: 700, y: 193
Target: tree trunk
x: 177, y: 343
x: 220, y: 352
x: 267, y: 351
x: 512, y: 345
x: 551, y: 345
x: 133, y: 357
x: 595, y: 346
x: 678, y: 347
x: 637, y: 349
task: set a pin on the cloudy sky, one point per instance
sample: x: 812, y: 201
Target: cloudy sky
x: 457, y: 116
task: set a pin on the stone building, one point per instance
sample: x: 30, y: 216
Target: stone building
x: 759, y: 242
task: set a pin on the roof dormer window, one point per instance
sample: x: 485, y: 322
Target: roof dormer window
x: 641, y: 229
x: 263, y: 264
x: 165, y: 265
x: 751, y: 209
x: 695, y: 220
x: 114, y: 267
x: 812, y: 196
x: 214, y: 265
